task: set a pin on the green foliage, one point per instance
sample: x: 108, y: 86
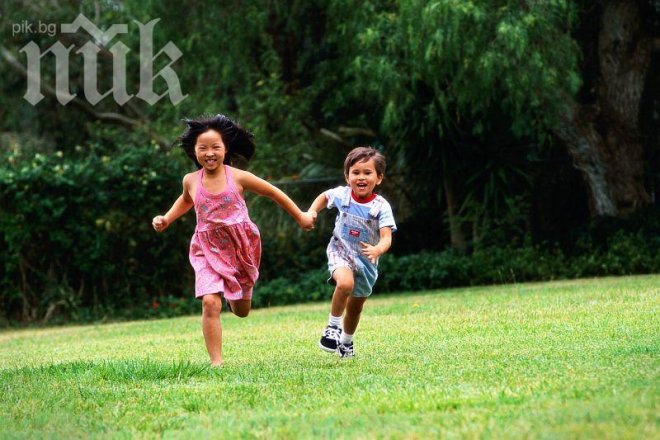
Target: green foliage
x: 305, y: 287
x: 445, y: 88
x: 623, y: 253
x: 77, y: 230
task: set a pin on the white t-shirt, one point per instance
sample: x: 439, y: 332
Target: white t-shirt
x: 337, y: 195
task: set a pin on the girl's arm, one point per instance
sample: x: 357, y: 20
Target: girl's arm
x: 182, y: 205
x: 373, y: 252
x: 250, y: 182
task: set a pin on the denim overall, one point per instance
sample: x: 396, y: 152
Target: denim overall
x: 344, y: 249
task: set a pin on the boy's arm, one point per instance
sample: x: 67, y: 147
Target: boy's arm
x: 250, y: 182
x: 318, y: 204
x: 182, y: 205
x: 373, y: 252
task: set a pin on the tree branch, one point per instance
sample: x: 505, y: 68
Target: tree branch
x: 357, y: 131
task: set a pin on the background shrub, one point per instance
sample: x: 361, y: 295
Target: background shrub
x: 77, y: 233
x: 78, y: 245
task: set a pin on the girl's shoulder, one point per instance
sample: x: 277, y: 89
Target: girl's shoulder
x: 191, y: 177
x: 242, y: 177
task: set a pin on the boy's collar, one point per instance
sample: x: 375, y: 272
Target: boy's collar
x: 365, y: 199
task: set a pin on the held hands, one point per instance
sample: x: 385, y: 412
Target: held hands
x: 307, y: 220
x: 371, y: 252
x: 160, y: 223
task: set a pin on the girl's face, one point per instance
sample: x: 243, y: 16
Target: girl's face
x: 363, y: 178
x: 210, y: 150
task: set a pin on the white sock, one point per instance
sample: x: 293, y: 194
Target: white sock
x: 334, y: 320
x: 345, y: 338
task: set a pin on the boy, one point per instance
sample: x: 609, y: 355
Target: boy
x: 362, y: 233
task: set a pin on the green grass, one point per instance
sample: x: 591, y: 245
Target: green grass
x: 570, y: 359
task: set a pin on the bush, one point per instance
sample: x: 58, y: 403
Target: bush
x: 625, y: 252
x: 78, y: 245
x: 77, y: 230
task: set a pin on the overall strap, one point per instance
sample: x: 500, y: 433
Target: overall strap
x: 375, y: 209
x: 346, y: 200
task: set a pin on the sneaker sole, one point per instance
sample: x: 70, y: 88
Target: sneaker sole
x: 326, y: 349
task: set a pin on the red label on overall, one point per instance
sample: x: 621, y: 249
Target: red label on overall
x: 354, y: 233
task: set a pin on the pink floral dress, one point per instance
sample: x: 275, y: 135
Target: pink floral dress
x: 225, y: 250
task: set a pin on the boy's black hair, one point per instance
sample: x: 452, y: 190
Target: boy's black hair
x: 238, y: 141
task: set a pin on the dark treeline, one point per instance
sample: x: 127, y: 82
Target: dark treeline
x: 522, y: 140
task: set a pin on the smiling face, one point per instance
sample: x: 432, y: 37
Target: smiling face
x: 210, y: 150
x: 363, y: 178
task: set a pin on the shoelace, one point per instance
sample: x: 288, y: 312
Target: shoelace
x: 346, y: 350
x: 331, y: 333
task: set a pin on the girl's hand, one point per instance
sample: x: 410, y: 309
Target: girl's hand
x: 306, y: 221
x: 160, y: 223
x: 372, y: 252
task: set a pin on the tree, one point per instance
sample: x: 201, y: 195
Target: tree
x: 451, y: 74
x: 448, y: 74
x: 601, y: 126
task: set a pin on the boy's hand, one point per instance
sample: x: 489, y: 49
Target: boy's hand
x: 306, y: 221
x: 160, y: 223
x: 372, y: 252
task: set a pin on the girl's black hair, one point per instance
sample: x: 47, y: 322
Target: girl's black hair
x: 238, y: 141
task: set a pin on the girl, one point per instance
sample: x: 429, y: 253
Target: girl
x: 225, y: 249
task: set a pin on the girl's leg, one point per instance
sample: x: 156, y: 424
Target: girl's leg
x: 211, y: 327
x: 240, y: 307
x: 353, y: 310
x: 343, y: 277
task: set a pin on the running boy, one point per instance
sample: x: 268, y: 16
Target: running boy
x: 362, y: 233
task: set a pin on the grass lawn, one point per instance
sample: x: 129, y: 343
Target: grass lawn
x: 569, y: 359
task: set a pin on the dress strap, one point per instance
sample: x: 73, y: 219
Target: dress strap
x: 200, y: 186
x: 231, y: 185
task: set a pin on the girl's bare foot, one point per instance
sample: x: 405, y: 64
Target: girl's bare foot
x: 216, y: 364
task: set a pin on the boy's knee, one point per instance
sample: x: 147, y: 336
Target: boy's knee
x: 345, y: 286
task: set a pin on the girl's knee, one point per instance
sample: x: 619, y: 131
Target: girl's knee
x: 211, y: 305
x: 242, y: 313
x: 240, y: 308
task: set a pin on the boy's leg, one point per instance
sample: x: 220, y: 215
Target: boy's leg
x: 354, y: 307
x: 211, y: 327
x: 351, y: 320
x: 343, y: 279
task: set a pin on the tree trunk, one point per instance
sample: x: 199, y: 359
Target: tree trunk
x: 604, y: 138
x: 455, y: 228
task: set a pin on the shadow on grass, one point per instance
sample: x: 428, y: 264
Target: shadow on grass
x: 115, y: 371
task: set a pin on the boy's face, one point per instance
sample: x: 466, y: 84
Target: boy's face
x: 362, y: 178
